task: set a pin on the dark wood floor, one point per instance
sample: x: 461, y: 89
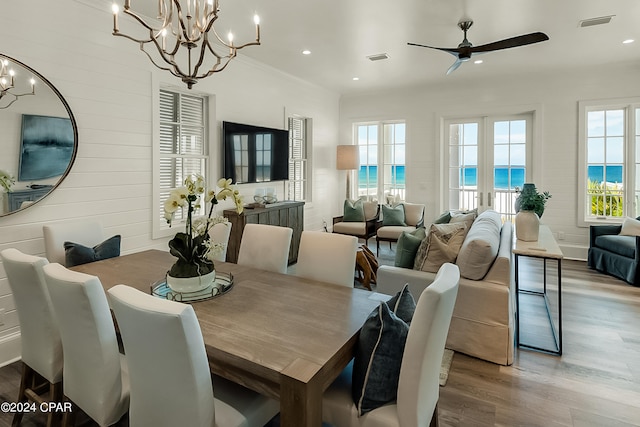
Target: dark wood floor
x: 596, y: 382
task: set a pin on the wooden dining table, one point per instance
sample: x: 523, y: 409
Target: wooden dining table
x: 280, y: 335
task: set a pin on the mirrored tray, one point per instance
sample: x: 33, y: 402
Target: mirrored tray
x: 223, y: 282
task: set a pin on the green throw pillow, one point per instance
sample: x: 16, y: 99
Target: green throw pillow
x: 393, y: 215
x: 444, y: 218
x: 353, y: 211
x: 407, y: 247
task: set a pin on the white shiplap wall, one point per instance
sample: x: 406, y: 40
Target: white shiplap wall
x: 553, y: 96
x: 108, y: 83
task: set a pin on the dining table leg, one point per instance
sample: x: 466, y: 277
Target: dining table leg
x: 301, y: 395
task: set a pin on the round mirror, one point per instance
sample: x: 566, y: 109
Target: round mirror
x: 38, y: 136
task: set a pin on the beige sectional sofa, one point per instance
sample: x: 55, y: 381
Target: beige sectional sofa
x: 483, y: 323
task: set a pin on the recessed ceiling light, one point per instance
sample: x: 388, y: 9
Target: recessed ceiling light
x: 628, y: 41
x: 355, y: 79
x: 306, y: 52
x: 478, y: 61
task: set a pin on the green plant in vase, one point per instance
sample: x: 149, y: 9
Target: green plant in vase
x: 530, y: 199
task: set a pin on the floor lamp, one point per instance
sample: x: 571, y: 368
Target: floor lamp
x: 348, y: 159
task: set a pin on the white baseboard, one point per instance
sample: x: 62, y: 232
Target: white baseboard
x: 10, y: 349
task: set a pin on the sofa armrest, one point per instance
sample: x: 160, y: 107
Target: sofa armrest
x: 337, y: 219
x: 602, y: 230
x: 390, y: 280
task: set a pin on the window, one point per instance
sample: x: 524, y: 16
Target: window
x: 297, y: 184
x: 382, y: 159
x: 486, y: 167
x: 182, y: 147
x: 610, y: 153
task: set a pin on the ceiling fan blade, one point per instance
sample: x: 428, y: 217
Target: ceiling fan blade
x: 453, y: 50
x: 454, y: 66
x: 511, y: 42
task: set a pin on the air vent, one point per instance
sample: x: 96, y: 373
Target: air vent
x: 378, y: 57
x: 596, y: 21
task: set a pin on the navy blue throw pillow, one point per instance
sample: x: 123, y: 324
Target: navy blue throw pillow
x: 376, y: 367
x: 76, y: 254
x: 403, y: 304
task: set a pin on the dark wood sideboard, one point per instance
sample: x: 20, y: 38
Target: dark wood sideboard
x: 283, y: 214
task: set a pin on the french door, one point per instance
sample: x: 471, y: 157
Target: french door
x: 487, y: 158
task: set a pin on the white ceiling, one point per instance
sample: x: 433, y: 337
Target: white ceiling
x: 341, y: 33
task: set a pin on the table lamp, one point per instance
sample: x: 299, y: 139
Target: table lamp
x: 348, y: 159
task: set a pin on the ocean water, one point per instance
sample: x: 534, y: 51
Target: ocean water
x: 469, y: 176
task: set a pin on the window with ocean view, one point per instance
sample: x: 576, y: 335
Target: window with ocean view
x: 485, y: 168
x: 382, y: 160
x: 610, y: 147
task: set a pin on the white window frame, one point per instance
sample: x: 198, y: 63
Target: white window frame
x: 629, y: 105
x: 160, y: 228
x: 381, y: 161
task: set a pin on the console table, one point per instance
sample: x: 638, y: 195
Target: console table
x: 545, y: 248
x: 283, y: 214
x: 17, y: 197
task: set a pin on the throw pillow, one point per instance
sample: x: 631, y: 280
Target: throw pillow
x: 443, y: 244
x: 403, y: 304
x: 444, y: 218
x: 76, y: 254
x: 378, y: 357
x: 393, y: 215
x: 630, y: 227
x: 353, y: 211
x: 407, y: 247
x: 480, y: 246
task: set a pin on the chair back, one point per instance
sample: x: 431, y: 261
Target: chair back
x: 39, y: 334
x: 413, y: 213
x: 327, y: 257
x: 85, y: 233
x: 220, y: 233
x: 418, y: 386
x: 265, y: 247
x: 168, y: 367
x: 92, y: 370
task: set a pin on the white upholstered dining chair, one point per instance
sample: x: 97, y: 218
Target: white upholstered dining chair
x: 418, y: 385
x: 265, y: 247
x: 95, y: 373
x: 220, y: 233
x: 169, y: 372
x: 87, y: 233
x: 327, y: 257
x: 39, y: 335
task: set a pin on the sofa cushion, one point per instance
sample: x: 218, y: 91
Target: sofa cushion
x: 621, y: 245
x: 393, y: 232
x: 353, y: 211
x: 353, y: 228
x: 480, y: 246
x: 413, y: 213
x: 378, y: 357
x: 393, y: 215
x: 407, y: 247
x: 630, y: 227
x: 441, y: 245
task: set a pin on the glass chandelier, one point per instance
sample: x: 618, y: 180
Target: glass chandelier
x: 183, y: 32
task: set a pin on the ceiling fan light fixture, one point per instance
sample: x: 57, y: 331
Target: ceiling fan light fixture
x: 600, y: 20
x: 378, y: 57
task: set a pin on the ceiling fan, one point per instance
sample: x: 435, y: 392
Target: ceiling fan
x: 465, y: 49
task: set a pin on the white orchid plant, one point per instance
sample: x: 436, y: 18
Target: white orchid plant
x: 6, y: 181
x: 193, y: 248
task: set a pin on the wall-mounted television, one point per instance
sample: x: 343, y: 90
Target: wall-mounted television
x: 254, y: 153
x: 46, y: 147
